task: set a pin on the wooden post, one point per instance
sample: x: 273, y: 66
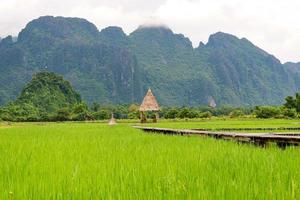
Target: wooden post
x: 156, y: 117
x: 143, y: 117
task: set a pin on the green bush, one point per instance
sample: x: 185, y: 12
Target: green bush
x: 171, y: 113
x: 133, y: 115
x: 63, y: 114
x: 206, y: 114
x: 80, y: 112
x: 236, y: 113
x: 267, y: 112
x: 183, y: 113
x: 289, y: 112
x: 101, y: 115
x: 192, y: 114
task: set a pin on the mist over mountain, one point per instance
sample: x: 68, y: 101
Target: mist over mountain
x: 109, y: 66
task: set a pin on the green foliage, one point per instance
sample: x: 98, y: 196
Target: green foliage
x: 206, y: 114
x: 133, y: 115
x: 183, y: 113
x: 289, y: 112
x: 46, y: 97
x: 290, y: 102
x: 63, y: 114
x: 267, y: 112
x: 101, y: 114
x: 293, y: 103
x: 171, y: 113
x: 95, y: 107
x: 133, y: 111
x: 110, y: 67
x: 236, y: 113
x: 80, y: 112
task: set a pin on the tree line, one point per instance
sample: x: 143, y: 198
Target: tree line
x: 82, y: 112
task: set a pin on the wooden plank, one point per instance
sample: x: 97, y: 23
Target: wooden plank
x: 260, y: 139
x: 248, y: 129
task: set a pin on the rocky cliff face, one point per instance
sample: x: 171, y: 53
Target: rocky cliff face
x: 71, y: 47
x: 111, y: 67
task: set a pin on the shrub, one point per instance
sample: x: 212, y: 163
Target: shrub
x: 171, y: 113
x: 134, y: 115
x: 183, y: 113
x: 101, y: 114
x: 236, y: 113
x: 81, y: 112
x: 192, y: 114
x: 63, y: 114
x: 290, y: 113
x: 267, y: 112
x: 206, y: 114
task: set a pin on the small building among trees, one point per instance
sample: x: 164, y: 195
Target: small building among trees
x: 149, y: 104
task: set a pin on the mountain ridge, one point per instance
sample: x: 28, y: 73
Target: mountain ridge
x: 108, y: 66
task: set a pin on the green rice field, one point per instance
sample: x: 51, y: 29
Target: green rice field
x: 97, y: 161
x: 218, y: 123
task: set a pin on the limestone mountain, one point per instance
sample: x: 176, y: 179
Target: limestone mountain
x: 44, y: 95
x: 109, y: 66
x: 244, y: 73
x: 48, y: 92
x: 293, y: 70
x: 72, y: 48
x: 293, y: 67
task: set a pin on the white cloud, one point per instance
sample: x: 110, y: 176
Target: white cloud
x: 273, y: 25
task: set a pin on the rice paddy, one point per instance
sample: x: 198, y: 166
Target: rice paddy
x: 219, y: 123
x: 97, y: 161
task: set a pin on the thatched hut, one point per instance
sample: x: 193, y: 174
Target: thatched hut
x: 149, y: 104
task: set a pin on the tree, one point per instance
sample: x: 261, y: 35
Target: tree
x: 63, y: 114
x: 290, y: 102
x: 133, y: 111
x: 81, y: 113
x: 171, y: 113
x: 297, y: 102
x: 293, y: 103
x: 183, y: 113
x: 101, y: 114
x: 192, y: 114
x: 95, y: 107
x: 206, y: 114
x: 267, y: 112
x: 289, y: 112
x: 236, y: 113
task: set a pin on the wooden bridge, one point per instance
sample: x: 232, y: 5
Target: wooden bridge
x: 260, y: 139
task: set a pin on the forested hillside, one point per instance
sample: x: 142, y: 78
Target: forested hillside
x: 109, y: 66
x: 41, y: 99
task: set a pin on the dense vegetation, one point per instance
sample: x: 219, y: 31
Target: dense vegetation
x: 70, y: 47
x: 111, y: 67
x: 95, y: 161
x: 48, y: 97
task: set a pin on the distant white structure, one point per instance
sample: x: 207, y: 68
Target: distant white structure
x: 112, y: 120
x: 212, y: 103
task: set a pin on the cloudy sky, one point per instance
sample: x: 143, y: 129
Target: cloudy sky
x: 273, y: 25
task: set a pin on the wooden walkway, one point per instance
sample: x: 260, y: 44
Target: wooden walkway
x: 260, y: 139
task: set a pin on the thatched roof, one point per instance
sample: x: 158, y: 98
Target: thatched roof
x: 149, y: 103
